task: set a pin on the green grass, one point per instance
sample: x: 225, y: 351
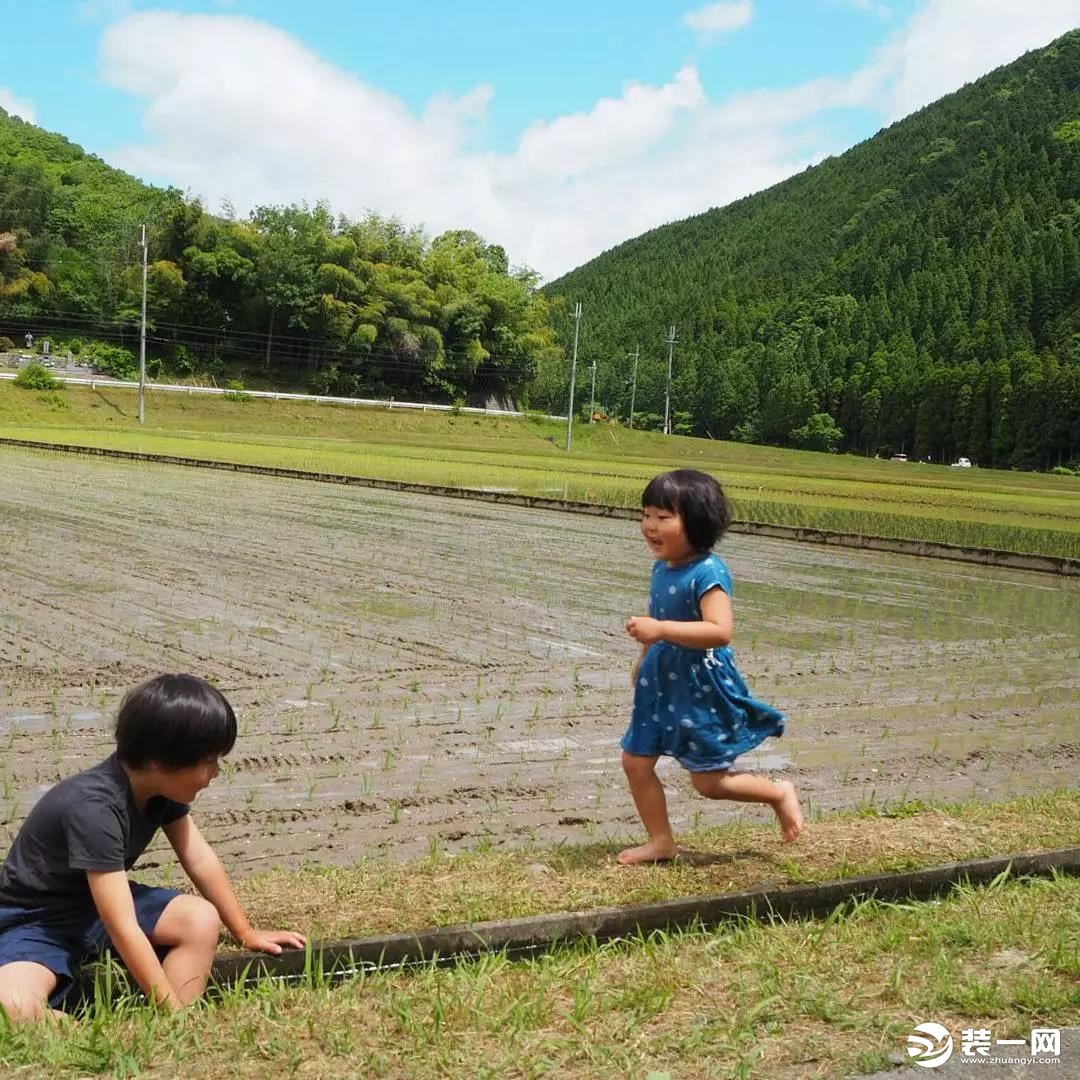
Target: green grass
x: 821, y: 998
x: 978, y: 508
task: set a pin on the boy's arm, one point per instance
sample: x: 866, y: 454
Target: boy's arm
x: 201, y: 864
x: 111, y: 892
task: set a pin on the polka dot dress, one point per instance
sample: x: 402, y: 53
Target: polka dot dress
x: 692, y: 704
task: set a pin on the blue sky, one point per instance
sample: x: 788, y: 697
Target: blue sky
x: 544, y: 60
x: 555, y: 129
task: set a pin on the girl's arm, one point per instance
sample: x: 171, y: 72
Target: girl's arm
x: 112, y: 898
x: 715, y: 629
x: 201, y: 864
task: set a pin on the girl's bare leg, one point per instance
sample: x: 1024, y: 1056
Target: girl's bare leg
x: 651, y: 803
x: 749, y: 787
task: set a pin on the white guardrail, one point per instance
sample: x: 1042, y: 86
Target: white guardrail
x: 374, y: 403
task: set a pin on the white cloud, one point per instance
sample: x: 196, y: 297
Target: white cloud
x: 616, y: 128
x: 237, y: 108
x: 16, y: 107
x: 720, y: 18
x: 951, y: 42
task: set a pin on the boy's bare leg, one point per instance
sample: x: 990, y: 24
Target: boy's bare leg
x: 25, y: 989
x: 749, y: 787
x: 189, y: 927
x: 651, y: 803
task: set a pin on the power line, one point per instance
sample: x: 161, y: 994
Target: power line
x: 633, y: 383
x: 113, y: 328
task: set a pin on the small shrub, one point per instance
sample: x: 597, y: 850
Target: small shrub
x: 55, y: 399
x: 113, y: 360
x: 73, y: 345
x: 234, y: 391
x: 820, y: 432
x: 36, y: 377
x: 1062, y: 470
x: 6, y: 344
x: 185, y: 363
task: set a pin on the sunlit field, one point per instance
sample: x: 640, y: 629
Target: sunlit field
x: 609, y: 464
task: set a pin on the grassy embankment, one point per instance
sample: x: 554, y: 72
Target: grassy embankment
x: 609, y: 464
x: 823, y: 997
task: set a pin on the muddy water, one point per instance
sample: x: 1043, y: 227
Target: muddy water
x: 413, y: 672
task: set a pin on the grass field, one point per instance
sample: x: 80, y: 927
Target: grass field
x: 827, y: 997
x: 978, y: 508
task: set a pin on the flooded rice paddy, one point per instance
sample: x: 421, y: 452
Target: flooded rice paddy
x: 415, y: 673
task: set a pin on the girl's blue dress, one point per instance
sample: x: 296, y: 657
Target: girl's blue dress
x: 692, y: 704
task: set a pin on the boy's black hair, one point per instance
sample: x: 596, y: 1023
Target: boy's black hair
x: 698, y: 498
x: 174, y: 720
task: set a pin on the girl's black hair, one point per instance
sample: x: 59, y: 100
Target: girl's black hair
x: 698, y: 498
x: 174, y: 720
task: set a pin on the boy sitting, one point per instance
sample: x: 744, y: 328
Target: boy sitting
x: 64, y: 892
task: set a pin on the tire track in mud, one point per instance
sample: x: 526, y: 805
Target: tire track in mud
x: 411, y: 670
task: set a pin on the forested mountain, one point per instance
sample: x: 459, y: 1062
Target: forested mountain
x: 292, y: 294
x: 921, y: 292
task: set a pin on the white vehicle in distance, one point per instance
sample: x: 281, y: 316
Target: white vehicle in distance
x: 962, y: 463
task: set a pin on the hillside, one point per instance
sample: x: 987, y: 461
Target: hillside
x: 921, y: 292
x: 291, y: 295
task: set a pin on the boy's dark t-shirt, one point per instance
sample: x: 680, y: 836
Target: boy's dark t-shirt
x: 88, y: 821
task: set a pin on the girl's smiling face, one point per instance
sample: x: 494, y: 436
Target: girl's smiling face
x: 665, y: 534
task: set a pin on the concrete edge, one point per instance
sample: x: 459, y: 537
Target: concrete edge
x: 336, y: 960
x: 1050, y: 564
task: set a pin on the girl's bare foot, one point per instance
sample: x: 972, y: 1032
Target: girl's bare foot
x: 653, y: 851
x: 788, y: 811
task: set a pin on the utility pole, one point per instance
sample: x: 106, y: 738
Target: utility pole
x: 142, y: 337
x: 573, y: 377
x: 667, y: 396
x: 633, y: 384
x: 592, y: 396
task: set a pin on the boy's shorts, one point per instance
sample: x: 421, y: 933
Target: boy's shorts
x: 64, y: 940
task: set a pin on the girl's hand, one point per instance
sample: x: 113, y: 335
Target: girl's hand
x: 645, y: 629
x: 272, y: 941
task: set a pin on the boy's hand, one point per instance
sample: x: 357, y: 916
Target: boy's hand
x: 645, y: 629
x: 272, y: 941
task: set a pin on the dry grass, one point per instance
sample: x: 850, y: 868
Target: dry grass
x: 376, y: 897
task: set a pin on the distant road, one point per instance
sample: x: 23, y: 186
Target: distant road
x: 375, y: 403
